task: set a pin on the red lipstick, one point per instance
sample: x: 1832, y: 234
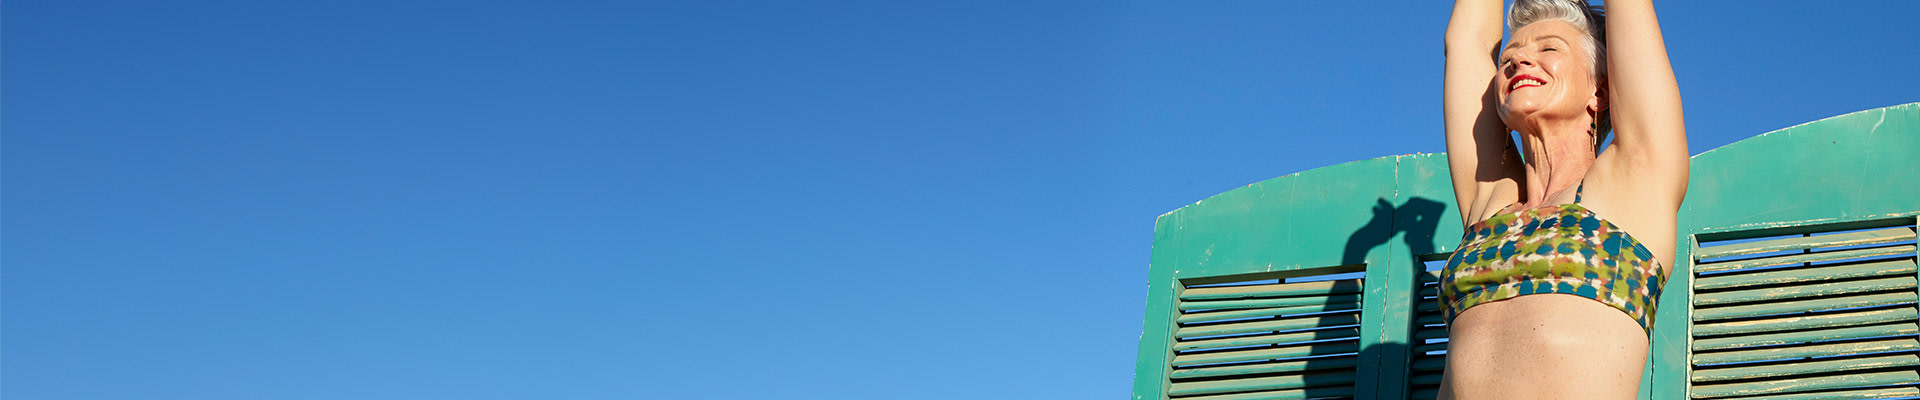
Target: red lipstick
x: 1515, y: 82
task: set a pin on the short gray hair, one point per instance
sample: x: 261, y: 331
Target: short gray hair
x: 1578, y: 13
x: 1585, y: 17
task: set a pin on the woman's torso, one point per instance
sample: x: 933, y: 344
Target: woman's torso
x: 1539, y: 345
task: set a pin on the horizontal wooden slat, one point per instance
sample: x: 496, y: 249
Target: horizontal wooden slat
x: 1266, y: 368
x: 1428, y: 378
x: 1423, y: 348
x: 1428, y: 291
x: 1801, y: 291
x: 1851, y: 332
x: 1429, y: 277
x: 1430, y: 319
x: 1278, y: 338
x: 1803, y: 368
x: 1815, y: 304
x: 1781, y: 386
x: 1282, y: 382
x: 1266, y: 303
x: 1901, y: 266
x: 1284, y: 324
x: 1425, y: 394
x: 1264, y: 312
x: 1805, y: 322
x: 1879, y: 393
x: 1887, y: 235
x: 1429, y: 333
x: 1814, y: 350
x: 1268, y: 353
x: 1426, y: 306
x: 1906, y: 249
x: 1294, y: 394
x: 1429, y: 363
x: 1320, y: 288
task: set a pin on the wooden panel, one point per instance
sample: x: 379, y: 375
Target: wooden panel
x: 1851, y: 332
x: 1814, y: 350
x: 1780, y: 370
x: 1800, y: 291
x: 1781, y: 386
x: 1430, y: 319
x: 1239, y: 341
x: 1266, y: 303
x: 1888, y: 235
x: 1321, y: 288
x: 1430, y: 363
x: 1427, y: 307
x: 1906, y: 249
x: 1267, y: 353
x: 1818, y: 304
x: 1295, y: 394
x: 1431, y: 378
x: 1821, y: 273
x: 1266, y: 368
x: 1828, y: 320
x: 1881, y: 393
x: 1282, y: 382
x: 1267, y: 312
x: 1427, y: 347
x: 1286, y: 324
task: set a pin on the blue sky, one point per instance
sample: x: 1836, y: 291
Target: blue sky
x: 400, y: 199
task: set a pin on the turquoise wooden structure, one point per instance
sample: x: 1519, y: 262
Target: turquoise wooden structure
x: 1799, y: 279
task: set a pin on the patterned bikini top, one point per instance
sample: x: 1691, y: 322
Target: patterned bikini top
x: 1554, y: 249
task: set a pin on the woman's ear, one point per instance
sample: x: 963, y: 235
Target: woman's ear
x: 1599, y: 101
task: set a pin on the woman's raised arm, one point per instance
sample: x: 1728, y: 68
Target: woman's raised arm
x: 1650, y: 135
x: 1477, y: 144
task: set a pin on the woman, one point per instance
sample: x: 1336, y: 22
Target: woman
x: 1552, y: 292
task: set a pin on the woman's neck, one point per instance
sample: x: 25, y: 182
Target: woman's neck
x: 1555, y: 163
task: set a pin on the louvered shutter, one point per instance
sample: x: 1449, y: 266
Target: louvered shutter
x: 1429, y: 335
x: 1815, y: 315
x: 1294, y: 338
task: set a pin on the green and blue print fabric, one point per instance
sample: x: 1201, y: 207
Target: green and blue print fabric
x: 1557, y: 249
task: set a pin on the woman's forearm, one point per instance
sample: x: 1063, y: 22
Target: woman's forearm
x: 1475, y: 27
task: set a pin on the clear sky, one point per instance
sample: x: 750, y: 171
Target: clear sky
x: 708, y: 199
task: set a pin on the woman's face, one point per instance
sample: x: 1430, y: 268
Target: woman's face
x: 1545, y: 74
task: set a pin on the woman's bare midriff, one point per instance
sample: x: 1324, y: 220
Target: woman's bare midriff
x: 1544, y: 346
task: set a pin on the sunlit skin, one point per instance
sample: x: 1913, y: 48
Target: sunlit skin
x: 1541, y: 85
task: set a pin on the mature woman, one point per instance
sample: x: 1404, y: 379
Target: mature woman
x: 1552, y: 292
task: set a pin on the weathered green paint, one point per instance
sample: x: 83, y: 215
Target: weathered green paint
x: 1786, y: 307
x: 1812, y: 274
x: 1806, y: 258
x: 1888, y: 235
x: 1804, y: 384
x: 1294, y: 366
x: 1789, y: 352
x: 1239, y: 341
x: 1882, y: 393
x: 1778, y: 293
x: 1273, y: 290
x: 1853, y: 332
x: 1804, y: 368
x: 1382, y: 216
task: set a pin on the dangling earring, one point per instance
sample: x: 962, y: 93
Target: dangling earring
x: 1593, y: 131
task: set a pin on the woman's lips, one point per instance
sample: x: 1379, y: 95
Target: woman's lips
x: 1520, y: 81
